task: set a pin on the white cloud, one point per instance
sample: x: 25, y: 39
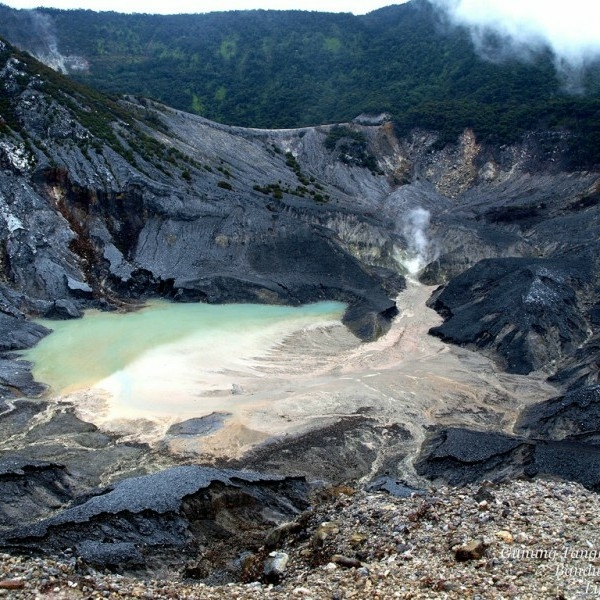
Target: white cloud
x: 571, y: 29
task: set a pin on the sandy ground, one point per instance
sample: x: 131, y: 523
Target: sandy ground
x: 316, y: 375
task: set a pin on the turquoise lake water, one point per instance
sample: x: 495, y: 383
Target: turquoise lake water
x: 162, y: 343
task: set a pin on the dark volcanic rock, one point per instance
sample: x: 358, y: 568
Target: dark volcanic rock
x: 570, y: 461
x: 16, y: 380
x: 525, y: 312
x: 460, y: 456
x: 366, y: 323
x: 574, y: 416
x: 18, y: 334
x: 176, y: 508
x: 199, y: 426
x: 582, y: 368
x: 53, y: 458
x: 63, y: 309
x: 343, y: 451
x: 106, y: 554
x: 31, y: 489
x: 15, y: 376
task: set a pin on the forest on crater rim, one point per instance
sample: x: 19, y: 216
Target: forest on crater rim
x: 280, y: 69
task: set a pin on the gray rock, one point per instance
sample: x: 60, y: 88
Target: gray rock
x: 199, y: 426
x: 18, y: 334
x: 16, y: 380
x: 275, y: 565
x: 400, y: 489
x: 78, y: 287
x: 101, y: 554
x: 63, y: 309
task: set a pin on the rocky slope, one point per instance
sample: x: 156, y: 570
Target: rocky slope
x: 527, y: 540
x: 528, y: 299
x: 99, y: 207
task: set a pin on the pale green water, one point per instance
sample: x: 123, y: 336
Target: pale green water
x: 158, y: 348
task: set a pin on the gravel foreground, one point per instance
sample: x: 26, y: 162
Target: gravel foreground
x: 529, y: 540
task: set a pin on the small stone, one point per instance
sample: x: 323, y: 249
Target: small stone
x: 472, y: 550
x: 12, y: 584
x: 484, y: 493
x: 346, y: 561
x: 449, y: 586
x: 325, y: 530
x: 275, y: 536
x: 275, y: 565
x: 505, y: 536
x: 357, y: 538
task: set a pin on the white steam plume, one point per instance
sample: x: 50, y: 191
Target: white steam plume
x: 570, y: 29
x: 415, y: 228
x: 47, y: 51
x: 39, y: 37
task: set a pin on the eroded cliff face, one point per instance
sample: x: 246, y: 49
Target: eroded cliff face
x: 170, y: 204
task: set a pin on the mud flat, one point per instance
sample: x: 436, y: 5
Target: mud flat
x: 286, y: 381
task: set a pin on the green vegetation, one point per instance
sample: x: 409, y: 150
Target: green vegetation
x: 106, y: 120
x: 273, y: 189
x: 296, y: 68
x: 225, y: 171
x: 351, y: 147
x: 339, y: 132
x: 292, y: 163
x: 276, y: 190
